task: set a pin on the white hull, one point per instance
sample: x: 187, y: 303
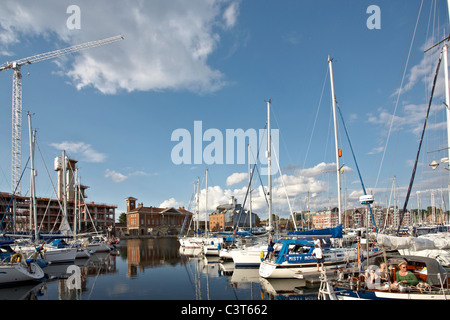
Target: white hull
x: 225, y: 254
x: 191, y: 242
x: 334, y: 259
x: 51, y: 255
x: 56, y: 255
x: 82, y: 253
x: 248, y: 257
x: 19, y: 272
x: 98, y: 247
x: 211, y: 250
x: 385, y: 295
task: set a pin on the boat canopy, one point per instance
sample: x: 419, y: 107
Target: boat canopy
x: 4, y: 243
x: 285, y: 248
x: 335, y: 232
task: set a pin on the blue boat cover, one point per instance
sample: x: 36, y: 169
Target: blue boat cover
x: 335, y: 232
x: 6, y: 242
x: 285, y: 248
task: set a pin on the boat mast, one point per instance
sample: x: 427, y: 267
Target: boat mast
x: 206, y: 205
x: 447, y: 94
x: 333, y: 98
x: 33, y: 213
x: 196, y: 222
x: 269, y: 164
x: 250, y: 186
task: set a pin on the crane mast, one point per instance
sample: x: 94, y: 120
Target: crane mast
x: 16, y: 156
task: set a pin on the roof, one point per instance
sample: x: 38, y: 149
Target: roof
x: 143, y: 209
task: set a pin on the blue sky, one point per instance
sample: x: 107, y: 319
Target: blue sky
x: 114, y: 108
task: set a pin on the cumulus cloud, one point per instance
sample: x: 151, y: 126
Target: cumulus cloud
x: 171, y: 203
x: 295, y: 186
x: 80, y: 151
x: 167, y: 43
x: 236, y: 178
x: 115, y: 176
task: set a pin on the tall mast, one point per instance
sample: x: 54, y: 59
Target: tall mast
x: 206, y: 205
x: 250, y: 186
x: 447, y: 93
x: 33, y: 213
x: 196, y: 222
x: 333, y: 98
x: 269, y: 164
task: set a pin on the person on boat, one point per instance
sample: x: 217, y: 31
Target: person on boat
x: 404, y: 277
x: 319, y: 257
x: 377, y: 277
x: 317, y: 241
x: 270, y: 249
x: 383, y: 273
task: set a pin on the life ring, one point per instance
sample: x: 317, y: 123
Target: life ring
x: 17, y: 257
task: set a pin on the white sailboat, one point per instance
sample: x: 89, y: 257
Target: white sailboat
x: 51, y: 253
x: 14, y: 268
x: 251, y: 256
x: 295, y: 264
x: 16, y: 272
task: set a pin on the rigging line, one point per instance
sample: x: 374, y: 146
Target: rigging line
x: 357, y: 167
x: 420, y: 144
x: 280, y: 133
x: 285, y: 191
x: 235, y: 226
x: 398, y: 94
x: 317, y: 115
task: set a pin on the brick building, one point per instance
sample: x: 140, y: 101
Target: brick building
x: 155, y: 221
x: 16, y: 214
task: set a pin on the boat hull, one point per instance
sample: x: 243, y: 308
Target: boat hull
x: 348, y: 294
x: 11, y: 273
x: 298, y: 265
x: 249, y: 257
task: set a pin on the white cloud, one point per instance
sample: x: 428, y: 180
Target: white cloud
x: 236, y: 178
x: 296, y: 186
x: 424, y: 73
x: 82, y: 150
x: 230, y: 15
x: 115, y: 176
x: 167, y: 43
x: 171, y: 203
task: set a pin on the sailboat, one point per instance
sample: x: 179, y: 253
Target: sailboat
x: 15, y: 269
x: 294, y: 259
x: 51, y: 253
x: 251, y: 256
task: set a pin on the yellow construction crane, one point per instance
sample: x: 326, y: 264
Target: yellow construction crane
x: 16, y: 65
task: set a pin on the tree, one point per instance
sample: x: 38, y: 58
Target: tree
x: 123, y: 218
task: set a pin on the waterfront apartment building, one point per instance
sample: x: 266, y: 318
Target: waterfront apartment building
x: 16, y: 215
x: 155, y: 221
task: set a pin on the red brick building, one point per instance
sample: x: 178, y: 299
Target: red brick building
x: 155, y: 221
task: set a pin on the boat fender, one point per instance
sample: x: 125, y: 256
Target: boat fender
x: 261, y: 255
x: 17, y: 257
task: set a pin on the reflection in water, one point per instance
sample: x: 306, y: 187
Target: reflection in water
x: 145, y: 253
x: 165, y: 272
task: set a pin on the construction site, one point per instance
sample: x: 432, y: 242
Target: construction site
x: 81, y: 215
x: 23, y: 214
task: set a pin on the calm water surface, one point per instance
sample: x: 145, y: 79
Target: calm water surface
x: 155, y: 269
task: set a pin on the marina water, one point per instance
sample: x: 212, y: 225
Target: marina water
x: 155, y: 269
